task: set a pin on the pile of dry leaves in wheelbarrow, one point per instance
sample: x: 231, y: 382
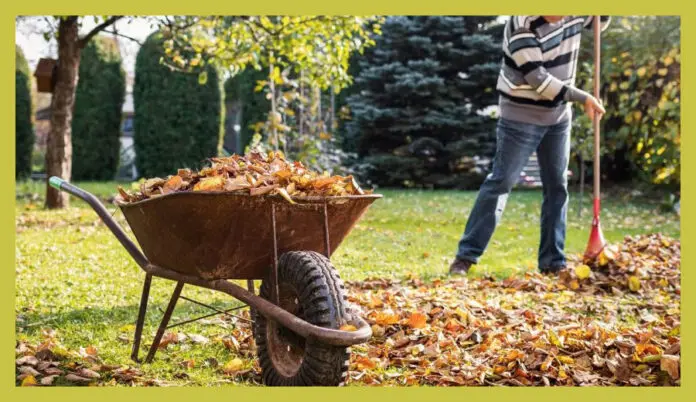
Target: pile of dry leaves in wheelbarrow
x: 616, y: 322
x: 254, y: 174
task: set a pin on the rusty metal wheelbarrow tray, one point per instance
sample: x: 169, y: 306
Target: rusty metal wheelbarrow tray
x: 214, y: 235
x: 205, y: 239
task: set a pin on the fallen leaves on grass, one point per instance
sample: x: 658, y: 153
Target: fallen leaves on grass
x: 588, y: 327
x: 641, y: 263
x: 532, y: 330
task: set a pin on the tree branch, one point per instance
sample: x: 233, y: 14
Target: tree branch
x: 50, y: 26
x: 116, y: 33
x: 109, y: 21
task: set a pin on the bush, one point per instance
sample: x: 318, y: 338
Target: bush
x: 641, y: 78
x: 24, y: 130
x: 178, y: 115
x: 96, y: 125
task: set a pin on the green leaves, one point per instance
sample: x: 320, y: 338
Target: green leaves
x: 641, y: 91
x: 318, y: 45
x: 203, y: 77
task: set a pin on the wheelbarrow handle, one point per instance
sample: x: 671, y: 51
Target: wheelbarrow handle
x: 104, y: 214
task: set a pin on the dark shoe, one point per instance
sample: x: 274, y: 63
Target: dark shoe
x: 552, y: 270
x: 460, y: 267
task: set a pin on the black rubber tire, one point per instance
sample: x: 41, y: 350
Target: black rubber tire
x: 321, y: 300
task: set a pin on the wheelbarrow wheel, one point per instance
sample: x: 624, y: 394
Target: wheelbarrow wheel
x: 310, y: 288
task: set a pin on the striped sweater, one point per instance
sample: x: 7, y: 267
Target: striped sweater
x: 538, y: 69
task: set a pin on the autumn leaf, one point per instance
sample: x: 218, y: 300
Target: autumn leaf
x: 173, y: 184
x: 348, y: 327
x: 565, y: 359
x: 364, y: 363
x: 582, y: 271
x: 215, y: 183
x: 29, y: 381
x: 634, y: 283
x: 231, y: 343
x: 78, y: 379
x: 195, y: 338
x: 233, y: 366
x: 375, y: 302
x: 383, y: 318
x: 417, y: 320
x: 27, y: 360
x: 546, y: 364
x: 670, y: 364
x: 188, y: 364
x: 169, y: 337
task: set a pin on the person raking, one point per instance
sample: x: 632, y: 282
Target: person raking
x: 536, y: 90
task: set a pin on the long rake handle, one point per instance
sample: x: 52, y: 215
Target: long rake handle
x: 597, y: 62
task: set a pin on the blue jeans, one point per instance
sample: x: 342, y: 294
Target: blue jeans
x: 515, y: 144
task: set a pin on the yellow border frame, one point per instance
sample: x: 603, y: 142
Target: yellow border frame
x: 299, y: 7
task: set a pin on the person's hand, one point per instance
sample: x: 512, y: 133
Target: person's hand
x: 593, y: 107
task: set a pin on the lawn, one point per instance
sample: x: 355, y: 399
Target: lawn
x: 77, y: 287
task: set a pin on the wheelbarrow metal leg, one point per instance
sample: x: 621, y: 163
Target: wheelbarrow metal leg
x: 274, y: 276
x: 252, y: 290
x: 327, y: 240
x: 165, y: 321
x: 141, y: 318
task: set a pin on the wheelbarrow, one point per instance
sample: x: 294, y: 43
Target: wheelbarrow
x: 302, y: 322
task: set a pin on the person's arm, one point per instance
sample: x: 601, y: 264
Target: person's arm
x: 604, y: 21
x: 525, y: 51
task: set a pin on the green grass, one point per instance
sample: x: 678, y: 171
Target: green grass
x: 74, y: 277
x: 406, y: 226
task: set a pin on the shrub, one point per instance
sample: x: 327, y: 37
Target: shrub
x: 178, y: 115
x: 96, y: 125
x: 24, y: 130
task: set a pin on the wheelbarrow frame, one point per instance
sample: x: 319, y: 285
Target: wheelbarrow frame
x: 256, y: 303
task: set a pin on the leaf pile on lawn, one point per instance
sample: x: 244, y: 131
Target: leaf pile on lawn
x: 641, y: 263
x: 589, y: 328
x: 596, y: 325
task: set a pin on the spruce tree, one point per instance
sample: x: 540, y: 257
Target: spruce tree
x: 414, y: 111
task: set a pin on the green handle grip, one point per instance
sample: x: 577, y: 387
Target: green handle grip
x: 56, y: 182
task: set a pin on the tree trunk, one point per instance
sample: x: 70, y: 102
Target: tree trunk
x: 274, y: 113
x: 302, y: 102
x: 332, y: 114
x: 581, y: 162
x: 59, y: 144
x: 320, y: 118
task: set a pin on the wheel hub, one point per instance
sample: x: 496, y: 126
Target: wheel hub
x: 286, y: 348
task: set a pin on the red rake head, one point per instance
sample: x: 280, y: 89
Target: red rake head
x: 596, y: 242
